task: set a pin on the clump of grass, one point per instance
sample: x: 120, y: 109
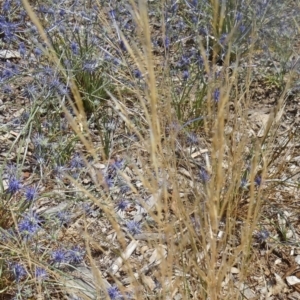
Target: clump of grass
x: 134, y: 154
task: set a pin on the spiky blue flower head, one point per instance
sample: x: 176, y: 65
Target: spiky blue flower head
x: 6, y: 6
x: 185, y: 75
x: 184, y: 61
x: 14, y: 185
x: 123, y: 204
x: 262, y: 235
x: 59, y: 256
x: 7, y: 73
x: 37, y: 52
x: 29, y: 225
x: 133, y: 227
x: 54, y: 83
x: 108, y: 181
x: 77, y: 162
x: 59, y: 171
x: 39, y: 140
x: 18, y: 271
x: 30, y: 193
x: 41, y: 273
x: 74, y: 48
x: 63, y: 217
x: 89, y: 66
x: 124, y: 188
x: 118, y: 164
x: 114, y: 293
x: 75, y: 255
x: 29, y: 92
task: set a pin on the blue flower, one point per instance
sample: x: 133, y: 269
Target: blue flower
x: 39, y: 140
x: 262, y: 235
x: 29, y: 92
x: 77, y: 162
x: 184, y: 61
x: 114, y: 293
x: 124, y: 188
x: 257, y: 180
x: 75, y: 255
x: 18, y: 271
x: 89, y: 66
x: 185, y: 75
x: 30, y: 193
x: 64, y: 217
x: 118, y: 164
x: 29, y: 225
x: 122, y: 205
x: 74, y: 48
x: 14, y: 185
x: 41, y: 273
x: 108, y: 181
x: 6, y: 6
x: 59, y: 256
x: 137, y: 73
x: 37, y: 52
x: 134, y: 227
